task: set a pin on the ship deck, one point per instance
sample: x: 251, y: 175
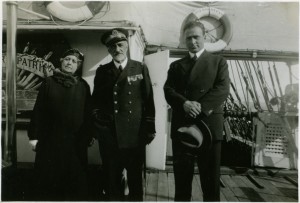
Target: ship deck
x: 238, y: 184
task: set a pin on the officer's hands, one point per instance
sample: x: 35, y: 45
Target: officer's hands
x: 192, y: 108
x: 149, y: 137
x: 33, y: 143
x: 101, y: 120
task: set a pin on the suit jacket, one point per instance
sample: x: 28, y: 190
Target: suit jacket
x: 124, y: 102
x: 206, y: 82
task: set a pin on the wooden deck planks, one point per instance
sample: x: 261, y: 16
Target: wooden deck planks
x: 228, y: 194
x: 222, y: 197
x: 264, y: 193
x: 160, y: 186
x: 235, y: 187
x: 171, y: 185
x: 246, y: 192
x: 285, y: 187
x: 163, y: 188
x: 145, y: 181
x: 228, y: 181
x: 273, y: 190
x: 197, y: 177
x: 240, y: 189
x: 197, y: 195
x: 151, y: 187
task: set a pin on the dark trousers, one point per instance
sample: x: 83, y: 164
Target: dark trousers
x: 209, y: 169
x: 114, y: 161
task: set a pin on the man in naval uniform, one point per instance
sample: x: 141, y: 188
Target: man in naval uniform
x: 124, y: 115
x: 196, y: 87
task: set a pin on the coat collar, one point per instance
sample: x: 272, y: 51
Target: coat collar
x: 123, y: 64
x: 111, y: 68
x: 126, y: 70
x: 199, y: 67
x: 185, y: 62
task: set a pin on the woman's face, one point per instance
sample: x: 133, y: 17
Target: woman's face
x: 69, y: 64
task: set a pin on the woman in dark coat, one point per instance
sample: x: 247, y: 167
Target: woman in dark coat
x: 57, y: 132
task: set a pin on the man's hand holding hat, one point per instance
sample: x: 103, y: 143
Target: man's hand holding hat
x: 192, y: 108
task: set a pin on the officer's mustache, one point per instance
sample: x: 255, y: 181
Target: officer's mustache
x: 118, y: 52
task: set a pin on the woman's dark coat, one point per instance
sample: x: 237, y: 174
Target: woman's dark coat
x: 57, y: 123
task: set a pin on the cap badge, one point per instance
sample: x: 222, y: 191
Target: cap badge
x: 115, y: 33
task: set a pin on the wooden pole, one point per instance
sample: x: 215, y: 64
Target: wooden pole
x: 11, y: 34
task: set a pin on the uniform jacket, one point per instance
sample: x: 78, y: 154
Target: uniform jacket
x: 124, y: 102
x: 207, y: 82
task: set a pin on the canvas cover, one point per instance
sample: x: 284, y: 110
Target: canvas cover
x: 255, y: 25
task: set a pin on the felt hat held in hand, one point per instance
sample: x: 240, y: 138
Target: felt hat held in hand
x: 195, y: 136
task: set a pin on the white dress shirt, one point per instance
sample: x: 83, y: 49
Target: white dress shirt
x: 197, y: 54
x: 123, y: 64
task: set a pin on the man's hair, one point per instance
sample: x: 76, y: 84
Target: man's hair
x: 193, y: 24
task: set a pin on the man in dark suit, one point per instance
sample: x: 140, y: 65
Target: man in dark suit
x: 196, y: 87
x: 124, y: 115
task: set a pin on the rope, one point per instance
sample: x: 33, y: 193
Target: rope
x: 241, y: 82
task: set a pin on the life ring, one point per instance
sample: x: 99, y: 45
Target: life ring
x: 218, y: 15
x: 85, y: 12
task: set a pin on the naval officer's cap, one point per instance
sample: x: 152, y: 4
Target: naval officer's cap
x: 115, y: 35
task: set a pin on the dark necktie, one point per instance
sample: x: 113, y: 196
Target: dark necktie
x: 192, y: 63
x: 120, y: 69
x: 194, y: 58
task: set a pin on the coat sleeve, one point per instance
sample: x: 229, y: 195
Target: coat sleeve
x: 37, y: 122
x: 173, y: 97
x: 88, y: 103
x: 215, y: 97
x: 100, y: 110
x: 149, y: 107
x: 88, y: 128
x: 95, y: 91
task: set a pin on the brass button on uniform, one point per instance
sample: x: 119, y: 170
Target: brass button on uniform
x: 115, y: 102
x: 130, y: 111
x: 129, y: 102
x: 116, y: 111
x: 129, y: 93
x: 115, y: 93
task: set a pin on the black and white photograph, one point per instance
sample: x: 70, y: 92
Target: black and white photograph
x: 155, y: 101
